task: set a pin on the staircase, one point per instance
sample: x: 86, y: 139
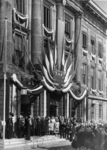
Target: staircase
x: 22, y: 144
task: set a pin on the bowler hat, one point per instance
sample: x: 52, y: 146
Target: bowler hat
x: 11, y: 114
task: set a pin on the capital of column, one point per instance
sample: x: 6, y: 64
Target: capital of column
x: 61, y: 1
x: 78, y: 14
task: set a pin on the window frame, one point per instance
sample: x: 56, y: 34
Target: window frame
x: 100, y: 50
x: 93, y: 46
x: 47, y: 25
x: 84, y: 42
x: 92, y: 111
x: 84, y: 73
x: 100, y: 81
x: 100, y: 111
x: 92, y: 78
x: 20, y: 6
x: 67, y: 28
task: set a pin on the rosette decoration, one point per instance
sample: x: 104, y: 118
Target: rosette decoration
x: 58, y: 73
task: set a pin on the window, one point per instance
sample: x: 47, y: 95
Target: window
x: 84, y: 40
x: 92, y: 46
x: 67, y: 28
x: 20, y: 6
x: 18, y: 46
x: 100, y: 50
x: 84, y: 73
x: 100, y: 81
x: 100, y: 111
x: 92, y: 78
x: 46, y: 17
x: 92, y: 111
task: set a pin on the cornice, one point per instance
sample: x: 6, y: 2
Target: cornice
x: 97, y: 28
x: 97, y: 98
x: 96, y: 11
x: 75, y: 6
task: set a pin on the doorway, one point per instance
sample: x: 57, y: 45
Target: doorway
x: 25, y: 109
x: 53, y: 111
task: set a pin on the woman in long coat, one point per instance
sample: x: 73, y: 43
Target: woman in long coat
x: 56, y: 127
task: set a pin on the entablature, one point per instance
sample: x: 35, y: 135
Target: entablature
x: 96, y: 12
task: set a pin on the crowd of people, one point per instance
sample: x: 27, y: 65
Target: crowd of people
x: 90, y: 136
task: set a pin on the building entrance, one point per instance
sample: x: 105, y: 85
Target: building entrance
x: 54, y: 104
x: 25, y: 105
x: 25, y: 109
x: 52, y: 110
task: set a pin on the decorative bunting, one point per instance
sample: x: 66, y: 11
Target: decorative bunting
x: 67, y: 88
x: 15, y: 79
x: 77, y: 97
x: 47, y: 85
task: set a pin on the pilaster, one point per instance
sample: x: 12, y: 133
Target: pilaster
x: 78, y: 45
x: 36, y: 32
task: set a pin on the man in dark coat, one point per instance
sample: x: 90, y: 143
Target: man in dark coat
x: 32, y: 125
x: 28, y: 129
x: 43, y: 126
x: 9, y: 126
x: 20, y: 126
x: 38, y: 126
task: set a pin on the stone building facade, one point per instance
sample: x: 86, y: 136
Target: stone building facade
x: 29, y: 24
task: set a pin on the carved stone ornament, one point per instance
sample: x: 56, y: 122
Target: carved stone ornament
x: 64, y: 2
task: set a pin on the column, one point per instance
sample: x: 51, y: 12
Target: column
x: 8, y: 14
x: 84, y: 110
x: 18, y: 103
x: 61, y: 113
x: 2, y: 16
x: 60, y: 10
x: 40, y: 104
x: 7, y: 98
x: 70, y: 107
x: 68, y: 103
x: 48, y: 104
x: 29, y: 22
x: 37, y: 106
x: 36, y: 32
x: 60, y: 29
x: 45, y: 99
x: 78, y: 45
x: 53, y: 20
x: 64, y: 103
x: 14, y: 99
x: 72, y: 30
x: 32, y: 108
x: 26, y: 6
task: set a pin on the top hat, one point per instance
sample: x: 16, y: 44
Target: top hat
x: 11, y: 114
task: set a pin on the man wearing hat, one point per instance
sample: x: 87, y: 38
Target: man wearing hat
x: 9, y: 126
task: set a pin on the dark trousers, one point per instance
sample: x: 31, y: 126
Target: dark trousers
x: 38, y: 131
x: 62, y: 132
x: 67, y: 133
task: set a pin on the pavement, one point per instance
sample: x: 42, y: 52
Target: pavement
x: 38, y: 143
x: 65, y: 145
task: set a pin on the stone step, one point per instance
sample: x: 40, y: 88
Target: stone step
x: 18, y: 144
